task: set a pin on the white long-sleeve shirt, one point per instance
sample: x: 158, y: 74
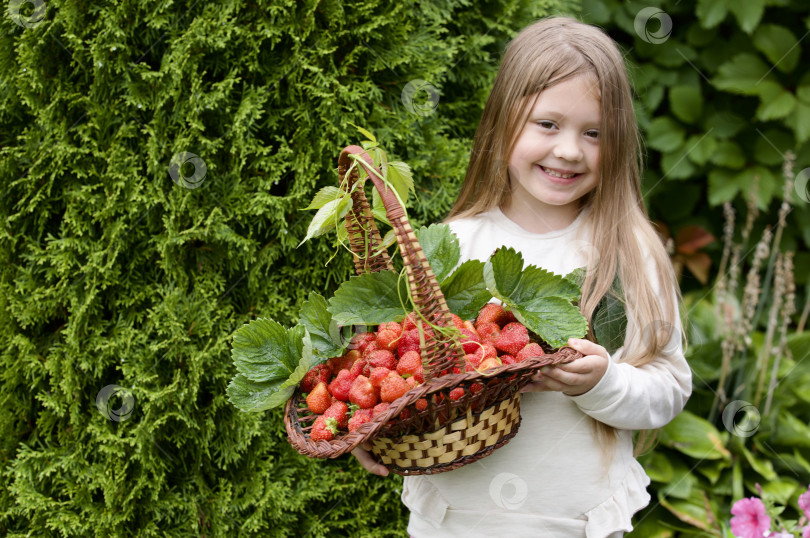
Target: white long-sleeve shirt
x: 552, y: 479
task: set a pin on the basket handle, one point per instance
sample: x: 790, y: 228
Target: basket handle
x: 440, y: 352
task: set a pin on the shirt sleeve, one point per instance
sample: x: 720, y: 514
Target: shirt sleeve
x: 643, y: 397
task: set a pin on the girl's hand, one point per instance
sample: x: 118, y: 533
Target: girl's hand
x: 576, y: 377
x: 368, y: 463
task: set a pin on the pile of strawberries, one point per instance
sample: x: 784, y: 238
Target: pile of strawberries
x: 379, y: 367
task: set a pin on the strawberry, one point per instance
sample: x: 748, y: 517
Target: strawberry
x: 370, y: 348
x: 324, y: 429
x: 456, y: 393
x: 361, y: 340
x: 531, y: 350
x: 409, y: 322
x: 457, y: 321
x: 360, y: 417
x: 380, y: 408
x: 469, y: 325
x: 412, y: 381
x: 392, y: 387
x: 390, y: 326
x: 377, y: 375
x: 488, y: 332
x: 320, y: 373
x: 362, y: 393
x: 339, y: 387
x: 510, y: 317
x: 340, y: 412
x: 513, y: 337
x: 421, y: 404
x: 410, y: 364
x: 470, y: 340
x: 360, y: 367
x: 483, y: 352
x: 382, y: 358
x: 508, y: 359
x: 491, y: 313
x: 387, y: 339
x: 319, y: 399
x: 406, y: 413
x: 490, y: 362
x: 475, y: 388
x: 409, y: 341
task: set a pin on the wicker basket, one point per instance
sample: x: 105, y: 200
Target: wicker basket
x: 446, y: 434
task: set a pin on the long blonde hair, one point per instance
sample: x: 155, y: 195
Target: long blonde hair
x: 543, y: 54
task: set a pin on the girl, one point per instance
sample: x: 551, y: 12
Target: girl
x: 555, y: 166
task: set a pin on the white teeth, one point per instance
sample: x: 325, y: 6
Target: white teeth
x: 557, y: 174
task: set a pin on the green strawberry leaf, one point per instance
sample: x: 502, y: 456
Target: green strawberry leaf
x: 370, y: 299
x: 323, y: 330
x: 441, y: 249
x: 610, y: 322
x: 328, y: 216
x: 399, y: 176
x: 326, y: 194
x: 540, y: 300
x: 465, y: 291
x: 251, y: 396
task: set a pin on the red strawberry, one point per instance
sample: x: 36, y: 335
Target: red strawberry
x: 319, y: 399
x: 412, y: 381
x: 360, y: 417
x: 387, y: 339
x: 392, y: 387
x: 491, y: 313
x: 390, y: 326
x: 380, y: 408
x: 456, y: 393
x: 409, y: 341
x: 382, y: 358
x: 457, y: 321
x: 508, y: 359
x: 370, y: 348
x: 360, y: 367
x: 406, y: 413
x: 510, y: 316
x: 476, y: 388
x: 377, y: 375
x: 513, y: 337
x: 410, y: 364
x: 361, y: 340
x: 483, y: 352
x: 421, y: 404
x: 531, y: 350
x: 488, y: 331
x: 340, y: 386
x: 470, y: 340
x: 409, y: 322
x: 490, y: 362
x: 340, y: 412
x: 324, y: 429
x: 320, y: 373
x: 362, y: 393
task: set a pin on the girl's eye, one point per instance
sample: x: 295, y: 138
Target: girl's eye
x: 546, y: 124
x: 592, y: 134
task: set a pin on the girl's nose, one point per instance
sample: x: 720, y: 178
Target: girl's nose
x: 568, y: 148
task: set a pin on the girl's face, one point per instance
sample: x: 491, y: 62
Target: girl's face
x: 556, y: 159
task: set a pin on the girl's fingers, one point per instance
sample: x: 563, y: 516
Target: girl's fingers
x: 586, y: 347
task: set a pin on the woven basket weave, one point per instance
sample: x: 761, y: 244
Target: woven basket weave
x: 447, y: 434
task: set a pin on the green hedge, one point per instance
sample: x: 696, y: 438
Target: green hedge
x: 114, y: 275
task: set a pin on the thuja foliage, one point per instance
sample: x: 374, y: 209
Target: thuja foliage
x: 120, y: 288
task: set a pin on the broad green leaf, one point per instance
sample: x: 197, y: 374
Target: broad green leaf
x: 370, y: 299
x: 328, y: 216
x: 775, y: 103
x: 763, y: 466
x: 766, y: 184
x: 686, y: 103
x: 378, y: 208
x: 537, y: 282
x: 791, y: 431
x: 779, y: 45
x: 326, y: 194
x: 771, y: 145
x: 400, y: 177
x: 251, y: 396
x: 682, y: 483
x: 553, y: 319
x: 441, y: 249
x: 728, y: 154
x: 664, y: 134
x: 692, y: 511
x: 502, y: 272
x: 799, y: 121
x: 365, y: 133
x: 780, y: 490
x: 748, y: 13
x: 676, y: 165
x: 723, y: 186
x: 695, y: 437
x: 699, y: 148
x: 711, y: 12
x: 744, y: 74
x: 264, y: 350
x: 657, y: 466
x: 465, y: 291
x: 724, y: 124
x: 713, y: 470
x: 323, y: 330
x: 610, y: 321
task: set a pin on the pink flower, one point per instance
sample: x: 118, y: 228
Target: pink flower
x: 806, y: 533
x: 750, y: 519
x: 804, y: 502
